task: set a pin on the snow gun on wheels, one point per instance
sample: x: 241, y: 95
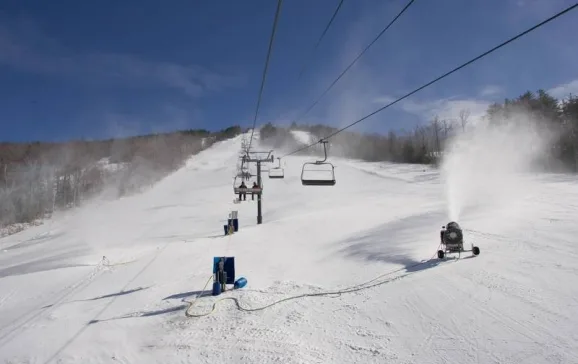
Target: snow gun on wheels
x: 452, y: 241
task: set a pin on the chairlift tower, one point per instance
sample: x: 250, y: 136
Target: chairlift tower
x: 258, y: 160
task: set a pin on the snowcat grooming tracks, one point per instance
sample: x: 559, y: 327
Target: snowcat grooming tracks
x: 452, y: 241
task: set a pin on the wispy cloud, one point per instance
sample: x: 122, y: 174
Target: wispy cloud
x: 538, y: 5
x: 446, y: 109
x: 401, y: 61
x: 23, y: 46
x: 450, y: 108
x: 491, y: 90
x: 534, y: 9
x: 156, y: 118
x: 384, y: 100
x: 562, y: 91
x: 360, y: 91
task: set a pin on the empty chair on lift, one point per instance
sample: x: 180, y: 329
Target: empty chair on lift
x: 277, y: 172
x: 318, y: 173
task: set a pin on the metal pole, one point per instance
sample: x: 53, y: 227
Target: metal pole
x: 259, y: 216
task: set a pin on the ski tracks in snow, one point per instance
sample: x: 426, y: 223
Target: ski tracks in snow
x: 295, y: 332
x: 27, y: 320
x: 481, y: 328
x: 108, y: 304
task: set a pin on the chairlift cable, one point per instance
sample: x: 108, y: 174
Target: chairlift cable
x: 269, y: 51
x: 322, y: 36
x: 355, y: 60
x: 544, y: 22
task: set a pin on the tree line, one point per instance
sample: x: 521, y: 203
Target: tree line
x: 39, y: 178
x: 425, y: 143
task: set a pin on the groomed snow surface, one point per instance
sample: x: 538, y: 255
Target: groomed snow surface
x: 517, y: 302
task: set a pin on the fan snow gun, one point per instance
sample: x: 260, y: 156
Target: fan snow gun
x: 452, y: 241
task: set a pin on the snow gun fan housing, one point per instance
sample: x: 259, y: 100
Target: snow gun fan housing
x: 452, y: 240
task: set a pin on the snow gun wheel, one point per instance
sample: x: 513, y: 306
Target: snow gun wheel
x: 441, y: 254
x: 476, y: 250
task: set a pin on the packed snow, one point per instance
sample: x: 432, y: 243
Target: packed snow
x: 111, y: 281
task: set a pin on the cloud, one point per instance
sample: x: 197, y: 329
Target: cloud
x: 355, y: 94
x: 384, y: 100
x: 450, y: 108
x: 23, y: 46
x: 446, y: 109
x: 535, y: 8
x: 157, y: 118
x: 491, y: 90
x: 538, y: 5
x: 391, y: 68
x: 562, y: 91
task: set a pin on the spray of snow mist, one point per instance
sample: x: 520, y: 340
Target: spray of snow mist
x: 487, y: 167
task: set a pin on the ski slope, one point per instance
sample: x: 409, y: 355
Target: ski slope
x: 61, y: 302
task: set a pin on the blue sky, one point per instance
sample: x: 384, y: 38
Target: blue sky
x: 72, y: 69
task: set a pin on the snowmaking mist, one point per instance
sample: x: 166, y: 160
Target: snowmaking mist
x: 488, y: 167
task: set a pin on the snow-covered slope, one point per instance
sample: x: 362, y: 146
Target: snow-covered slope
x: 62, y: 302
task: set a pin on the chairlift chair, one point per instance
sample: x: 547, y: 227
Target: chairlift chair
x: 277, y: 172
x: 248, y: 190
x: 245, y: 175
x: 319, y: 181
x: 256, y: 191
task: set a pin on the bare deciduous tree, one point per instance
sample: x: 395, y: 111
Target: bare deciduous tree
x: 37, y: 178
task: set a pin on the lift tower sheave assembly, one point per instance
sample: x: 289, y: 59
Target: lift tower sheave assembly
x: 258, y: 159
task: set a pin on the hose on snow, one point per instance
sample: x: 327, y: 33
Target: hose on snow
x: 377, y: 281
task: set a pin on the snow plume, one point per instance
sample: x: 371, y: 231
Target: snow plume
x: 488, y: 166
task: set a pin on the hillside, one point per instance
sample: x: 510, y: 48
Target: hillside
x: 38, y: 179
x: 62, y: 301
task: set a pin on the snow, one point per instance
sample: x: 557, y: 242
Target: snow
x: 15, y: 228
x: 62, y: 302
x: 106, y: 165
x: 302, y: 137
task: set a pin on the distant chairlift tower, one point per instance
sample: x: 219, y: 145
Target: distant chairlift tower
x: 258, y: 191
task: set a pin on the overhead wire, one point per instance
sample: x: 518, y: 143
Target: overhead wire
x: 439, y: 78
x: 322, y: 35
x: 265, y: 69
x: 356, y: 59
x: 367, y: 285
